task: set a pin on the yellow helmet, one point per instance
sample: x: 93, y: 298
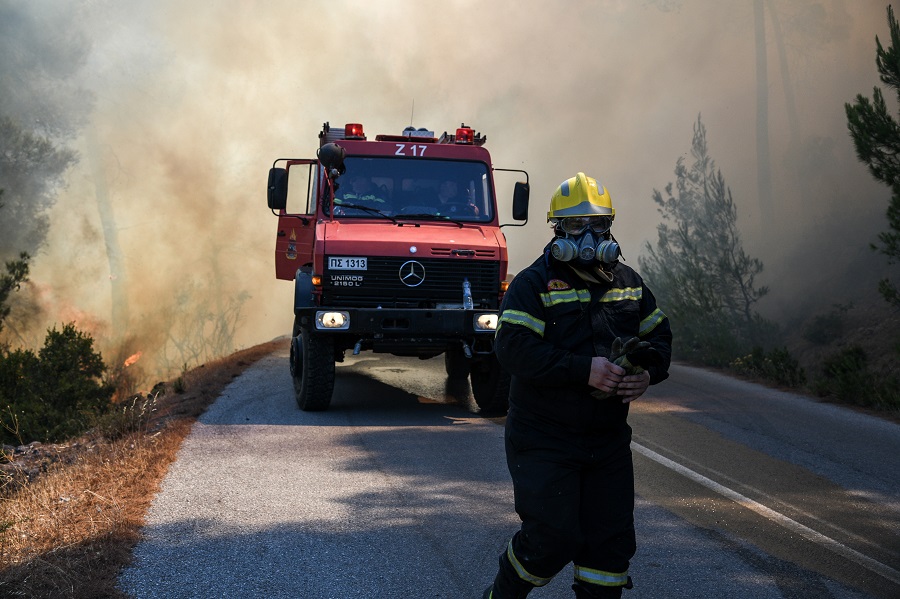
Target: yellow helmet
x: 580, y: 196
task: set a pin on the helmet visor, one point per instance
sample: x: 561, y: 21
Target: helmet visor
x: 576, y: 225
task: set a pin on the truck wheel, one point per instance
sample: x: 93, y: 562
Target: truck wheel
x: 456, y: 362
x: 312, y: 368
x: 490, y: 386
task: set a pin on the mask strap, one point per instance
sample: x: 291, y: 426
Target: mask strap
x: 613, y: 237
x: 606, y: 275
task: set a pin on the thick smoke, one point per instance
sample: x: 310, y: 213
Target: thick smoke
x: 41, y: 106
x: 164, y: 227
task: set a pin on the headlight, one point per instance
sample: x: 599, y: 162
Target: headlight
x: 485, y: 322
x: 332, y: 320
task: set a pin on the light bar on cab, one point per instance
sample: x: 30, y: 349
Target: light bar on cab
x: 354, y: 131
x: 465, y: 135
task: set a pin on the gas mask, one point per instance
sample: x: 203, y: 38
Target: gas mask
x: 586, y: 248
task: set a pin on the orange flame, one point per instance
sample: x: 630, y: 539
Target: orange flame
x: 133, y: 358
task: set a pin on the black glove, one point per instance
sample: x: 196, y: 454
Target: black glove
x: 644, y: 357
x: 630, y: 355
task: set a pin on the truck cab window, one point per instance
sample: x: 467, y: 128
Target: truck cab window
x: 456, y: 189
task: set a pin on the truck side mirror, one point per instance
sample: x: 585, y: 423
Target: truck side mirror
x: 277, y: 188
x: 520, y: 201
x: 332, y: 156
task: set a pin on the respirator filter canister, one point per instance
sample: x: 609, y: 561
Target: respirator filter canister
x: 585, y: 249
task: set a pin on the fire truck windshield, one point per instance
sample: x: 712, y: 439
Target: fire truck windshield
x: 458, y: 190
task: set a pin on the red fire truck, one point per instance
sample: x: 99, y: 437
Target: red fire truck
x: 394, y: 246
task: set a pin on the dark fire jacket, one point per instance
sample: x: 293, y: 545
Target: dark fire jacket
x: 552, y: 323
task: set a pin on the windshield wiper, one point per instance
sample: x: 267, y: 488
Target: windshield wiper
x: 429, y: 216
x: 366, y: 209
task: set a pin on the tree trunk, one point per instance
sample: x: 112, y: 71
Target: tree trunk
x: 763, y: 164
x: 117, y: 278
x: 789, y: 100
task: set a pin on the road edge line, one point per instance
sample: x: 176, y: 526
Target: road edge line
x: 792, y: 525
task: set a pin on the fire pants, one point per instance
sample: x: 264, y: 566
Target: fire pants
x: 575, y: 496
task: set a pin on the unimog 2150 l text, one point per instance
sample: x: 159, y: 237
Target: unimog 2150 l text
x: 394, y: 246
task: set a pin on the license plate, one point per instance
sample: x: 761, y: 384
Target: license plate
x: 346, y: 263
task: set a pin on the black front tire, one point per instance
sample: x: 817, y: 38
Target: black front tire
x: 490, y: 386
x: 456, y: 363
x: 312, y: 368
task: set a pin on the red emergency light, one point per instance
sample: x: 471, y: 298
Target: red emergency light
x: 465, y: 135
x: 354, y: 131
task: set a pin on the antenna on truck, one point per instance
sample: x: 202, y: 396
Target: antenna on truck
x: 412, y: 111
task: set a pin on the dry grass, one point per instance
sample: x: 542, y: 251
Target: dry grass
x: 70, y: 531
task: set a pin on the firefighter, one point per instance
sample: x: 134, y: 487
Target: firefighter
x: 362, y: 189
x: 582, y: 337
x: 449, y: 200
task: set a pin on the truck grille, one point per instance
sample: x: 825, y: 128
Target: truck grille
x: 381, y: 285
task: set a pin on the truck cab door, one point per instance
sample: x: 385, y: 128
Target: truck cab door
x: 293, y: 192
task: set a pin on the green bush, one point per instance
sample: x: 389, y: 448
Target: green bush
x: 705, y: 340
x: 16, y: 274
x: 714, y: 339
x: 21, y: 412
x: 825, y: 328
x: 846, y: 376
x: 56, y: 394
x: 776, y: 366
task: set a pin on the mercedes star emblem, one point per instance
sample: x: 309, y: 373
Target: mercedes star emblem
x: 412, y: 273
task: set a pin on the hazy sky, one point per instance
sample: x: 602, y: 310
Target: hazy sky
x: 194, y: 100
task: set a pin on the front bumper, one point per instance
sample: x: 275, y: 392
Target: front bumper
x: 394, y: 323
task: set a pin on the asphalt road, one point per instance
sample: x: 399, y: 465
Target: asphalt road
x: 401, y: 491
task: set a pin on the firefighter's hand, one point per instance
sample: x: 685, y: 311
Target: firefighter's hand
x: 633, y: 386
x: 605, y: 375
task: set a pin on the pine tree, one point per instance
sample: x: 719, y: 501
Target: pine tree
x: 704, y: 279
x: 876, y: 135
x: 16, y: 274
x: 43, y: 47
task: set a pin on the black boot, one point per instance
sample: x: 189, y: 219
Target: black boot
x: 505, y: 587
x: 507, y: 584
